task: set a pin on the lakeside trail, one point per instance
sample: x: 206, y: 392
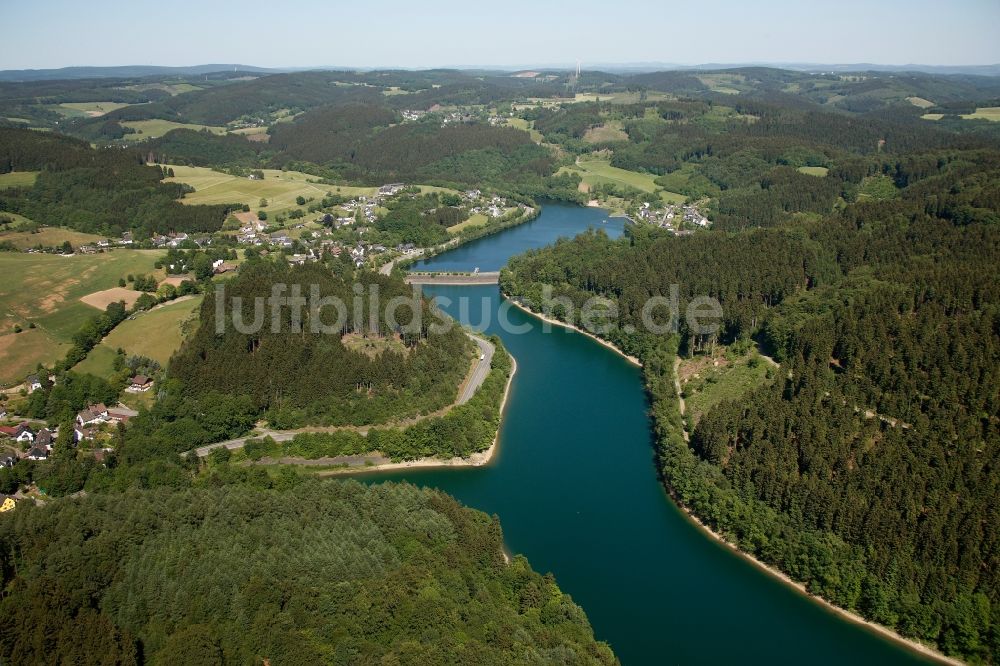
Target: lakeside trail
x: 680, y: 396
x: 850, y: 616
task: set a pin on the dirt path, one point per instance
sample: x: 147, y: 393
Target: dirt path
x: 680, y: 397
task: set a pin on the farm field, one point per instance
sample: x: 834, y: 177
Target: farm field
x: 20, y: 353
x: 920, y: 102
x: 47, y: 237
x: 280, y: 188
x: 18, y: 179
x: 814, y: 171
x: 45, y: 289
x: 598, y: 172
x: 621, y: 97
x: 156, y: 334
x: 87, y: 109
x: 153, y: 129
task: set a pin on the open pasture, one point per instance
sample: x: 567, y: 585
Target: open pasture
x: 280, y: 188
x: 45, y: 290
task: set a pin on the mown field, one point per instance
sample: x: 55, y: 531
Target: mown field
x: 814, y: 171
x: 985, y: 113
x: 47, y: 237
x: 156, y: 334
x: 87, y: 109
x: 599, y: 172
x: 476, y: 220
x: 280, y: 188
x: 17, y: 179
x: 153, y: 129
x: 45, y: 290
x: 991, y: 113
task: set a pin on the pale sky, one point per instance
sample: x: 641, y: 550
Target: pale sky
x: 432, y: 33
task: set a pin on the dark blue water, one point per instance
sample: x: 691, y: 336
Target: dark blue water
x: 575, y: 486
x: 492, y: 252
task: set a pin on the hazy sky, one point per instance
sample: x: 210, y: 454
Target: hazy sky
x: 425, y: 33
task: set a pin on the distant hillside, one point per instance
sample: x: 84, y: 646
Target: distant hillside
x: 127, y: 71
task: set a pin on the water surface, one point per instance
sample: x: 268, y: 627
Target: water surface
x: 575, y: 486
x: 490, y: 253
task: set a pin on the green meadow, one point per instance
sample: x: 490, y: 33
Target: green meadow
x: 44, y: 290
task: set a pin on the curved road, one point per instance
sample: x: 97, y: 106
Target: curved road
x: 480, y: 370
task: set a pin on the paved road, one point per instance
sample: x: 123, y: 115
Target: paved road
x: 386, y: 268
x: 475, y: 379
x: 480, y: 370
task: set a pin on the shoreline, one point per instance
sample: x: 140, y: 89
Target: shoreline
x: 774, y: 572
x: 478, y: 459
x: 601, y: 341
x: 843, y: 613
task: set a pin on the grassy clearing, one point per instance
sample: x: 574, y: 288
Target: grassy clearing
x: 985, y: 113
x: 528, y: 126
x: 609, y: 131
x: 47, y: 237
x: 920, y: 102
x: 156, y: 334
x: 428, y: 189
x: 87, y: 109
x: 932, y: 116
x: 100, y: 361
x: 621, y: 97
x: 280, y: 188
x: 45, y: 290
x: 373, y: 346
x: 708, y: 381
x: 153, y: 129
x: 172, y: 88
x: 18, y: 222
x: 476, y: 220
x: 599, y: 172
x: 18, y: 179
x: 814, y: 171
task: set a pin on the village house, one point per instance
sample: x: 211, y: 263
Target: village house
x: 139, y: 384
x: 280, y: 238
x: 42, y: 446
x: 121, y: 414
x: 223, y: 267
x: 32, y: 383
x: 93, y: 415
x: 82, y: 433
x: 21, y: 433
x: 391, y: 189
